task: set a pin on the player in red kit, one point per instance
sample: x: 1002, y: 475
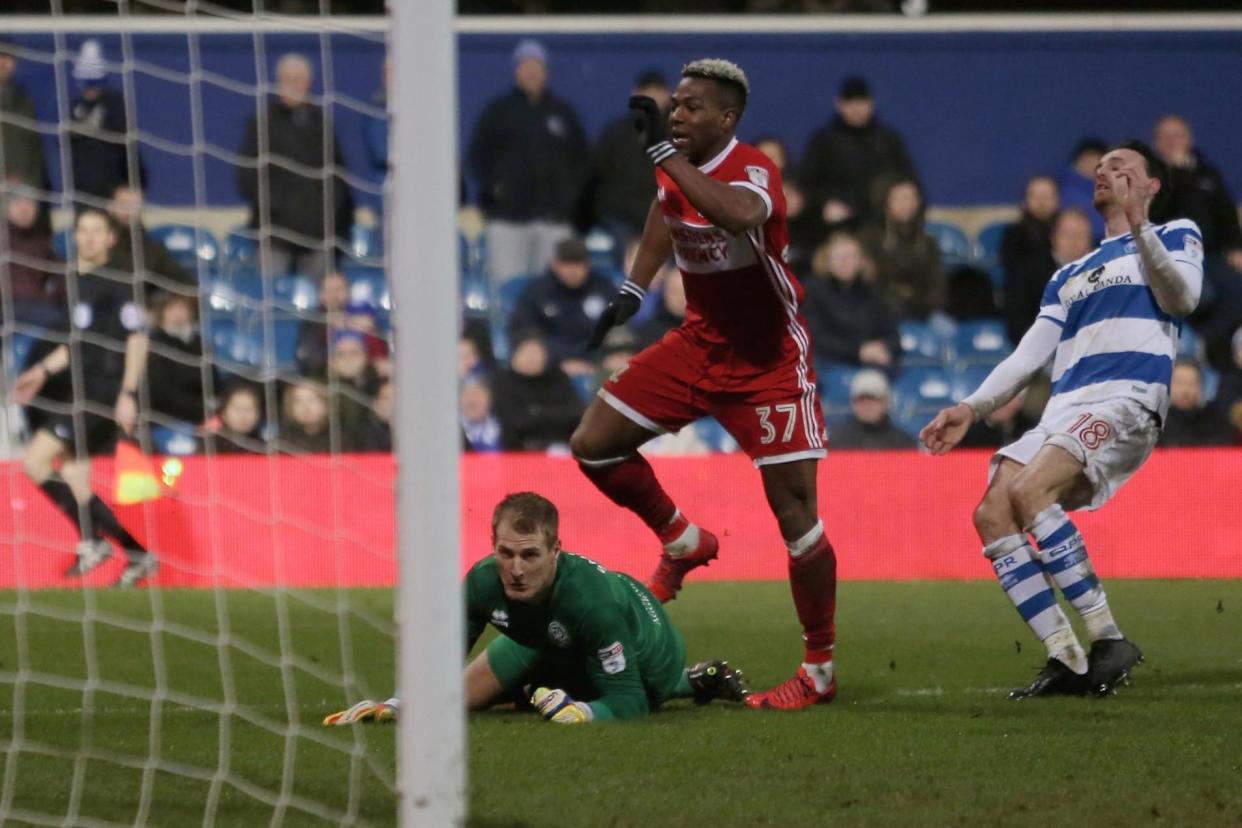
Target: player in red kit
x: 742, y: 355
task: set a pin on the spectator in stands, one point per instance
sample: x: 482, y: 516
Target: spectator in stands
x: 287, y: 205
x: 528, y: 156
x: 1191, y: 420
x: 1229, y: 392
x: 352, y: 379
x: 671, y: 311
x: 363, y: 318
x: 100, y: 141
x: 1026, y: 255
x: 21, y: 147
x: 535, y: 401
x: 375, y: 128
x: 850, y: 322
x: 908, y: 271
x: 621, y: 172
x: 869, y: 426
x: 240, y: 429
x: 479, y: 427
x: 1198, y: 190
x: 1071, y: 237
x: 32, y: 269
x: 1077, y: 183
x: 313, y: 334
x: 469, y: 361
x: 175, y: 382
x: 137, y: 251
x: 620, y: 345
x: 304, y: 424
x: 846, y: 160
x: 375, y: 433
x: 806, y: 227
x: 562, y: 305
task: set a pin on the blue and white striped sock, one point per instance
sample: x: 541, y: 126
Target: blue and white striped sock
x: 1064, y: 556
x: 1023, y: 580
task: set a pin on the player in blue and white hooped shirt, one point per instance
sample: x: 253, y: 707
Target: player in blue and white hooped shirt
x: 1109, y: 323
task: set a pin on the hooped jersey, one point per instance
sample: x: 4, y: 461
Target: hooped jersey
x: 739, y: 290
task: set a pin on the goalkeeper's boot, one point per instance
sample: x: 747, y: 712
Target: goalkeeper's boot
x: 1055, y: 679
x: 1111, y: 661
x: 140, y: 568
x: 717, y: 680
x: 91, y: 553
x: 665, y: 582
x: 364, y: 711
x: 793, y: 694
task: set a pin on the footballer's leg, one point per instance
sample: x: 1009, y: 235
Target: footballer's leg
x: 1054, y: 481
x: 606, y: 443
x: 1021, y: 576
x: 791, y: 494
x: 70, y: 491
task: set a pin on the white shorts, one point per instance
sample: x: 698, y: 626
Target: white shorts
x: 1111, y: 439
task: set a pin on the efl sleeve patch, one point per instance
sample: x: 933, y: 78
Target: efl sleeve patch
x: 612, y: 658
x: 1193, y: 248
x: 758, y: 176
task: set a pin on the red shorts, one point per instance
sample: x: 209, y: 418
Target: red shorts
x: 772, y: 411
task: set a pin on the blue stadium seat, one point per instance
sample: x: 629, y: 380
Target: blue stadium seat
x: 965, y: 379
x: 20, y: 345
x: 475, y: 295
x: 714, y: 435
x: 241, y: 246
x: 368, y: 284
x: 988, y: 242
x: 955, y: 247
x: 176, y: 441
x: 1189, y: 343
x: 231, y: 343
x: 920, y: 344
x: 921, y: 386
x: 584, y: 384
x: 247, y: 284
x: 834, y: 385
x: 366, y: 242
x: 62, y: 242
x: 983, y: 341
x: 912, y: 418
x: 1211, y: 382
x: 507, y: 296
x: 603, y: 252
x: 188, y: 244
x: 296, y: 292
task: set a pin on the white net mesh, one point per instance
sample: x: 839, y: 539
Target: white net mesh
x: 238, y: 161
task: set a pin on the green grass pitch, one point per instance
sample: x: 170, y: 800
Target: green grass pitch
x: 921, y: 733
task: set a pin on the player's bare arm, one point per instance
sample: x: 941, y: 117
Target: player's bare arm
x: 135, y: 362
x: 653, y: 249
x: 32, y: 379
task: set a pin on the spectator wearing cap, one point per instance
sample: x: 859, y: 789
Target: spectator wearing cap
x: 622, y: 184
x: 535, y: 401
x: 562, y: 306
x: 31, y: 268
x: 1077, y: 182
x: 362, y: 316
x: 869, y: 426
x: 480, y: 429
x: 850, y: 322
x: 298, y: 199
x: 352, y: 381
x: 1026, y: 255
x: 21, y: 148
x: 1192, y: 420
x: 100, y: 142
x: 847, y: 159
x: 528, y: 158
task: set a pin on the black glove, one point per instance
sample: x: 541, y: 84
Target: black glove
x: 619, y: 311
x: 652, y: 128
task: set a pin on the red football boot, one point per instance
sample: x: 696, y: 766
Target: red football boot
x: 665, y: 582
x: 793, y: 694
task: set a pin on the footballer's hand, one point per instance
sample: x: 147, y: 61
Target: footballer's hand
x: 947, y: 428
x: 28, y: 384
x: 557, y: 706
x: 619, y: 311
x: 652, y: 127
x: 1130, y: 195
x: 126, y: 413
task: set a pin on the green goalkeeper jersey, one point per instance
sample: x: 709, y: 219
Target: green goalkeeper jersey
x: 604, y: 623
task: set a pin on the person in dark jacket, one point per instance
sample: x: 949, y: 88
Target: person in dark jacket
x: 287, y: 203
x: 1026, y: 255
x: 375, y: 432
x: 528, y: 157
x: 479, y: 427
x: 32, y: 269
x: 1191, y: 420
x: 314, y: 333
x: 305, y: 426
x: 21, y: 148
x: 671, y: 311
x: 240, y: 430
x: 535, y: 401
x: 848, y: 158
x: 159, y: 268
x: 175, y: 382
x: 563, y: 305
x: 100, y: 137
x: 850, y: 322
x: 868, y: 425
x: 621, y: 172
x: 1197, y: 190
x: 908, y: 270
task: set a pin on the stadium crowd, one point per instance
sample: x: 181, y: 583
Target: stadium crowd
x: 277, y: 339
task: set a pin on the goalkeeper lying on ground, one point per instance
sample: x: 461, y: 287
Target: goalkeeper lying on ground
x: 592, y: 644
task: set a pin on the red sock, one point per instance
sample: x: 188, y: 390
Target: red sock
x: 632, y: 483
x: 813, y: 582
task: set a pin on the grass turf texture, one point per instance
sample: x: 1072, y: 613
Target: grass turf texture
x: 920, y: 734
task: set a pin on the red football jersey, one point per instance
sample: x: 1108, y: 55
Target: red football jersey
x: 739, y: 290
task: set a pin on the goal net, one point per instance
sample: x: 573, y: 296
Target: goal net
x: 195, y: 202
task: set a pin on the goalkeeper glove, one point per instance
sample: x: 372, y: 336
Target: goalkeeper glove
x: 623, y: 306
x: 652, y: 128
x: 557, y: 706
x: 364, y: 711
